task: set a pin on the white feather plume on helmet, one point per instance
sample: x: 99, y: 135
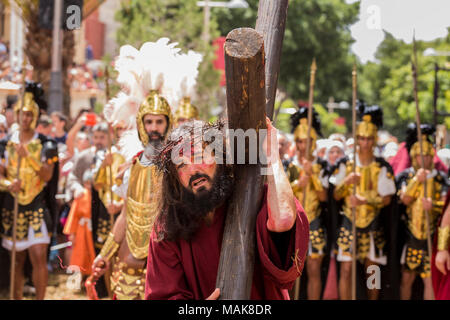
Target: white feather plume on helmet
x: 154, y: 67
x: 189, y: 64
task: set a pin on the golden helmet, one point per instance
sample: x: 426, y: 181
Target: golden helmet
x: 427, y: 149
x: 371, y: 119
x: 186, y: 110
x: 154, y: 103
x: 366, y: 128
x: 28, y: 105
x: 301, y: 132
x: 299, y: 124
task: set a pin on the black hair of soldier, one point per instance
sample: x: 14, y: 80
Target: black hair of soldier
x: 375, y: 112
x: 411, y: 133
x: 301, y: 113
x: 38, y: 93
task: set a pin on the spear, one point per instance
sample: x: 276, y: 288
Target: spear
x: 16, y: 195
x: 354, y: 97
x: 110, y: 184
x: 107, y: 93
x: 419, y: 138
x: 312, y: 81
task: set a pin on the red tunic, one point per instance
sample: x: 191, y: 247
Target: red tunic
x: 441, y: 282
x: 188, y: 269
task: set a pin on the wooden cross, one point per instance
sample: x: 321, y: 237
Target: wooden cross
x: 251, y: 86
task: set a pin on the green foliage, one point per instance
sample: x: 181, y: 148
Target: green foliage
x: 114, y: 87
x: 314, y: 28
x: 389, y: 83
x: 180, y: 21
x: 98, y: 107
x: 327, y: 119
x: 282, y: 120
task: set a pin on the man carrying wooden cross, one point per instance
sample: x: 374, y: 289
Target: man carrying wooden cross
x: 185, y: 247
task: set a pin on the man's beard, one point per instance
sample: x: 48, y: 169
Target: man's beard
x: 204, y: 201
x: 154, y: 145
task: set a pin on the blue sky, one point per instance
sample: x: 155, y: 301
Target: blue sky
x: 429, y: 18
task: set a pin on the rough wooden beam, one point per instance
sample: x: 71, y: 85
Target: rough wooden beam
x: 244, y: 68
x: 271, y: 24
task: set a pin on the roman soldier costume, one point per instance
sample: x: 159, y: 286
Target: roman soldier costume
x: 415, y: 256
x: 37, y: 211
x: 318, y: 180
x: 377, y: 181
x: 103, y: 180
x: 141, y: 181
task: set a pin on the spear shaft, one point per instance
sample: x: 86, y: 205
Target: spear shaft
x: 109, y: 168
x: 419, y: 138
x: 16, y: 195
x: 354, y: 97
x: 312, y: 81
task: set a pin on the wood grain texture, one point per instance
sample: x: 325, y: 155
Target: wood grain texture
x: 271, y: 23
x: 244, y: 67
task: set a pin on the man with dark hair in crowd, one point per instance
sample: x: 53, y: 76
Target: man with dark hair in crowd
x: 59, y: 123
x: 44, y: 125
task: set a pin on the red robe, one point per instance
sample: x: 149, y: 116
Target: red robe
x: 78, y: 223
x: 188, y: 269
x: 441, y: 282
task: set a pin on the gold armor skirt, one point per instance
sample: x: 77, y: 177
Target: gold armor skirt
x: 127, y: 283
x: 415, y: 256
x: 32, y: 214
x: 363, y: 238
x: 317, y: 238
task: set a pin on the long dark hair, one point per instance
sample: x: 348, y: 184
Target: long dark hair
x: 180, y: 215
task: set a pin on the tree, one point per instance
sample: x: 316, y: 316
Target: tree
x: 180, y: 21
x: 315, y: 28
x: 388, y: 82
x: 38, y: 48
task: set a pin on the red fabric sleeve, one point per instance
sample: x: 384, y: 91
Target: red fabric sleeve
x: 165, y: 279
x: 282, y: 271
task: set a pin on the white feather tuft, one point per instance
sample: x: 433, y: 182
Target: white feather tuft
x: 130, y: 145
x: 122, y: 110
x: 155, y: 66
x: 189, y: 64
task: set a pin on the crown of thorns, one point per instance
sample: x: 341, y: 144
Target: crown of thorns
x: 187, y: 133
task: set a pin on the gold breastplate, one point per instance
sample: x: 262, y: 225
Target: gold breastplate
x: 368, y: 188
x: 141, y: 207
x: 103, y: 178
x: 32, y: 184
x: 416, y: 215
x: 312, y: 202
